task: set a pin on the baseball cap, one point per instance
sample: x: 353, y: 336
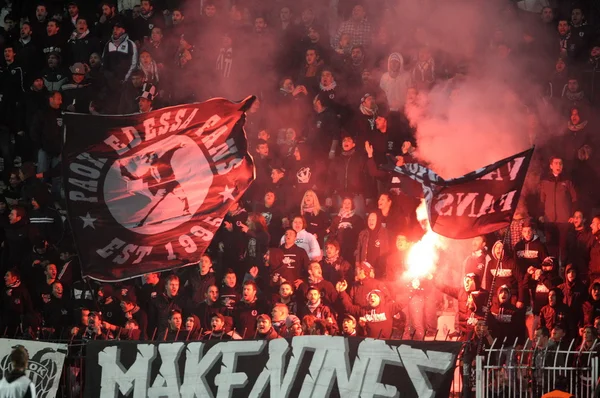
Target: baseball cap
x: 77, y: 69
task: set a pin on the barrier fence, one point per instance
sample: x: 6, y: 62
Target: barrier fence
x: 507, y: 372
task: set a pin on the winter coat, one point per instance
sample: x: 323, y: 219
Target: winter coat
x: 575, y: 295
x: 558, y: 198
x: 244, y: 316
x: 579, y: 244
x: 120, y: 57
x: 346, y: 231
x: 321, y: 311
x: 47, y: 131
x: 79, y: 50
x: 78, y: 95
x: 347, y: 174
x: 591, y: 307
x: 317, y: 224
x: 380, y: 239
x: 198, y: 284
x: 558, y: 315
x: 507, y: 274
x: 359, y: 291
x: 337, y: 271
x: 325, y: 287
x: 594, y: 266
x: 464, y: 314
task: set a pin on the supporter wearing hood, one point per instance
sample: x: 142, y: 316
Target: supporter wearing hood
x: 373, y: 245
x: 591, y: 307
x: 506, y: 274
x: 376, y: 317
x: 471, y: 302
x: 192, y: 327
x: 556, y: 312
x: 508, y: 322
x: 575, y: 294
x: 343, y: 234
x: 541, y: 281
x: 395, y: 82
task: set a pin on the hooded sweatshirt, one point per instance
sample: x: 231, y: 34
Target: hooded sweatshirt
x: 508, y: 321
x: 395, y: 88
x: 506, y: 274
x: 591, y: 308
x: 558, y: 314
x: 575, y: 295
x: 373, y: 247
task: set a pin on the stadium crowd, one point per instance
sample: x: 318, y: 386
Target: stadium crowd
x: 318, y: 242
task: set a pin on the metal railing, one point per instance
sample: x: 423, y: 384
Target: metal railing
x: 508, y: 371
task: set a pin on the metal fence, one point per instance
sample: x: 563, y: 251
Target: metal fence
x: 505, y: 371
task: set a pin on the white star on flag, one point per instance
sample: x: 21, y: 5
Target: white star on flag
x: 88, y: 220
x: 227, y: 193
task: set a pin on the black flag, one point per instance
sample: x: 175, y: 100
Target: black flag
x: 146, y: 192
x: 477, y: 203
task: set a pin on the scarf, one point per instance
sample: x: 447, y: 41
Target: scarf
x: 345, y: 214
x: 150, y: 71
x: 311, y: 70
x: 423, y: 68
x: 285, y: 92
x: 368, y: 111
x: 78, y: 36
x: 332, y: 260
x: 129, y: 314
x: 578, y: 96
x: 313, y: 307
x: 308, y: 209
x: 118, y: 41
x: 577, y: 127
x: 563, y: 40
x: 349, y: 153
x: 330, y: 87
x: 16, y: 284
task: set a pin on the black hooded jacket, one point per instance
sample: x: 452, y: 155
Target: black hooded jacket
x: 575, y: 295
x: 558, y: 314
x: 591, y: 307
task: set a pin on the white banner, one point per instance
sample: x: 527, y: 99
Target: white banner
x: 45, y: 363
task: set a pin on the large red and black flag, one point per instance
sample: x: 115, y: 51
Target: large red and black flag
x: 477, y: 203
x: 146, y: 192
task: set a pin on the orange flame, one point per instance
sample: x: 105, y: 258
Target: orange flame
x: 423, y: 255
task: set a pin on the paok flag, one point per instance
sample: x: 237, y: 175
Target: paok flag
x: 477, y: 203
x: 146, y: 192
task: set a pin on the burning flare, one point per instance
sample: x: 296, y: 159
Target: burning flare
x: 423, y: 255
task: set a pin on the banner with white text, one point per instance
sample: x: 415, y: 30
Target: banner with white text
x: 477, y: 203
x: 45, y: 363
x: 146, y: 192
x: 305, y: 366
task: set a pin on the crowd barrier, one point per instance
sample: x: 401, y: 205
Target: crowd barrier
x: 508, y: 372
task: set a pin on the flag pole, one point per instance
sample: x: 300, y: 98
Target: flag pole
x: 488, y: 307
